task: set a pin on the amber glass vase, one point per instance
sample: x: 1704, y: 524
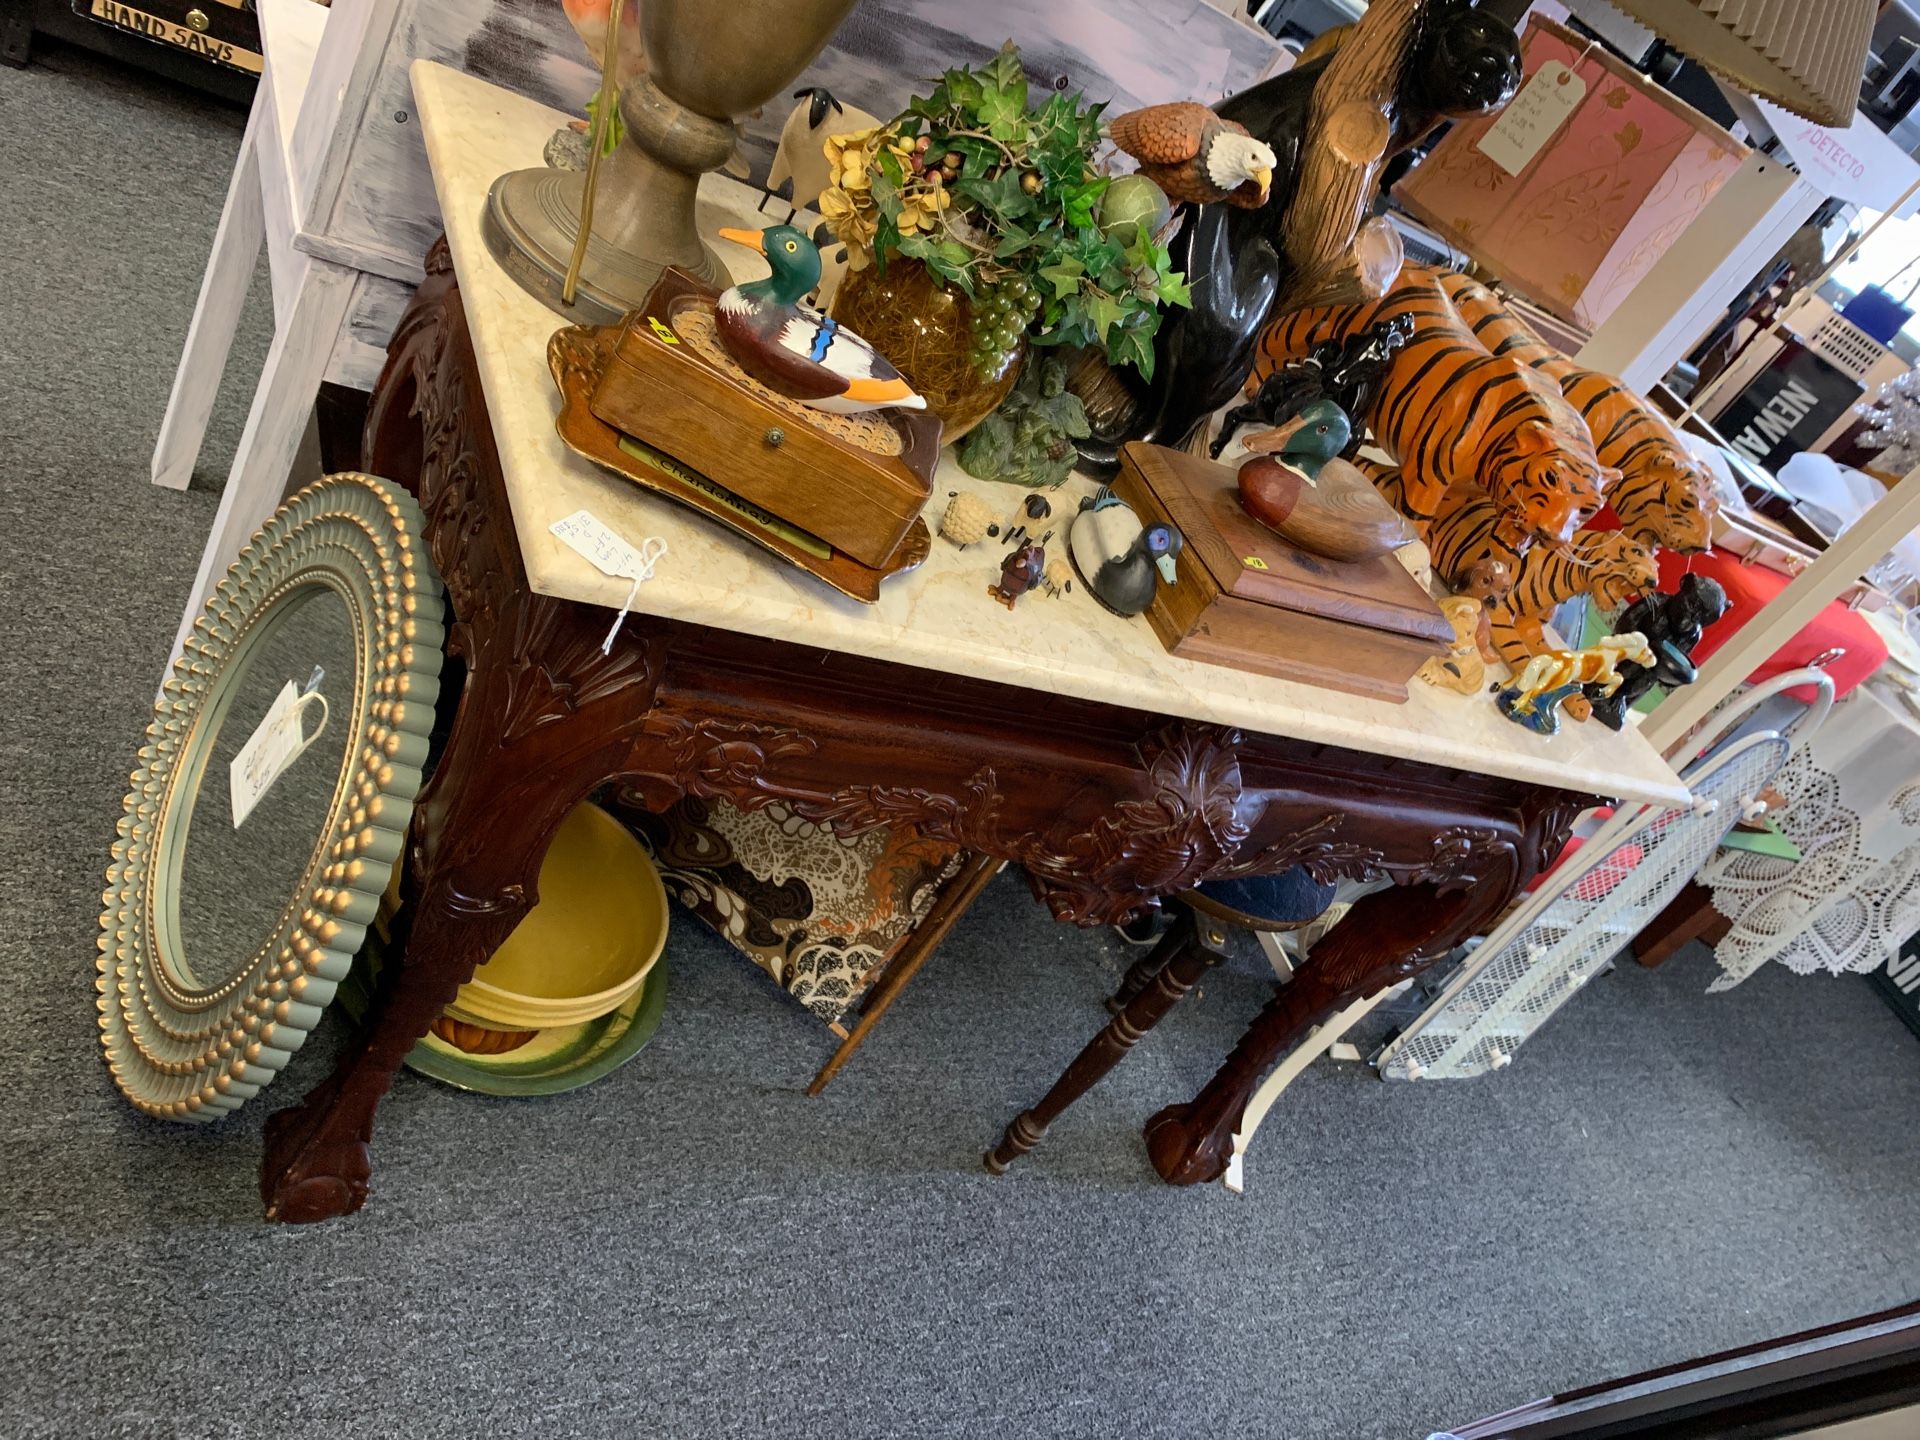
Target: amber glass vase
x: 925, y: 327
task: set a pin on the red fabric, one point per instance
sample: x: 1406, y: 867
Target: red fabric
x: 1750, y: 588
x: 1604, y: 877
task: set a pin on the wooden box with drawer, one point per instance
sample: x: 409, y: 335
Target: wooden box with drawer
x: 858, y: 482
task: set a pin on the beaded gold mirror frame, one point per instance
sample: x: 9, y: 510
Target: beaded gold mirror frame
x: 348, y: 549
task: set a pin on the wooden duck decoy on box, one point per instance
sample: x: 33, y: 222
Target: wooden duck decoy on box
x: 1248, y: 598
x: 857, y: 481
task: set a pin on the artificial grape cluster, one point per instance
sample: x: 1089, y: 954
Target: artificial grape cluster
x: 1000, y: 317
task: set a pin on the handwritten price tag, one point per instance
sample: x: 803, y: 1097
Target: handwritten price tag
x: 1528, y: 122
x: 275, y: 744
x: 590, y: 536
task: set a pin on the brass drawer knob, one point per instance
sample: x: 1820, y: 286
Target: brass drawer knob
x: 776, y: 436
x: 197, y: 20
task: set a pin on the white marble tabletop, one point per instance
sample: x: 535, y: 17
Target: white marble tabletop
x: 938, y: 617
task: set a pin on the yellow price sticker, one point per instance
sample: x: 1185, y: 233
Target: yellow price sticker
x: 1254, y: 562
x: 663, y: 330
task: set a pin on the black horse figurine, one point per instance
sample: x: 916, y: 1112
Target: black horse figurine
x: 1347, y: 372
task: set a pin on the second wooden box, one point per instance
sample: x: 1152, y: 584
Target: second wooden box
x: 1248, y: 599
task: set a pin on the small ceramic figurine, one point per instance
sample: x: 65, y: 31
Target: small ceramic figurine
x: 1673, y: 625
x: 968, y: 519
x: 1019, y: 573
x: 1461, y: 668
x: 790, y: 346
x: 1116, y: 558
x: 1296, y: 486
x: 1058, y: 577
x: 799, y: 160
x: 1031, y: 510
x: 1488, y: 580
x: 1195, y: 156
x: 1534, y: 696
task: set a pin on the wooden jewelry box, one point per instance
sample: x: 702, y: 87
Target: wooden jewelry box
x: 857, y: 482
x: 1248, y: 599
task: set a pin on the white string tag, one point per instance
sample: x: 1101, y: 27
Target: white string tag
x: 588, y: 535
x: 1528, y: 122
x: 276, y: 742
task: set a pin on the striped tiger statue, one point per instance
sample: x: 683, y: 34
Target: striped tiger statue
x: 1456, y: 417
x: 1664, y: 496
x: 1608, y: 565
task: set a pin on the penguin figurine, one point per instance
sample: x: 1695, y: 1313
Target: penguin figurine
x: 791, y: 347
x: 1116, y: 557
x: 1296, y: 485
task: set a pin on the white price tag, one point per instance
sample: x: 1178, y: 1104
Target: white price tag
x: 1528, y: 122
x: 277, y: 741
x: 589, y: 535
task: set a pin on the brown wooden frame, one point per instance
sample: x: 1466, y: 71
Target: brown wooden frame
x: 1104, y: 807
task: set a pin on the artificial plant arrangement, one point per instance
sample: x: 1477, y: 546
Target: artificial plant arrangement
x: 1005, y: 202
x: 1029, y: 439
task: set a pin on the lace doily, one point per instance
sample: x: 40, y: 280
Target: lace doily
x: 1836, y: 909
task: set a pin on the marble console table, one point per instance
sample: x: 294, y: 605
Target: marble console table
x: 1056, y: 736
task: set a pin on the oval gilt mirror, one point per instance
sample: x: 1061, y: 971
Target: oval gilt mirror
x: 270, y: 802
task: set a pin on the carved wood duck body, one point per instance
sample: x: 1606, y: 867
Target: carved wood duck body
x: 791, y: 347
x: 1297, y: 486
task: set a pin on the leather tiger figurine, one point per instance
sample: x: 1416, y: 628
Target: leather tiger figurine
x: 1608, y: 565
x: 1664, y: 496
x: 1456, y: 417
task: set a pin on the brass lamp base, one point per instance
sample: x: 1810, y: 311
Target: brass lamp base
x: 532, y: 218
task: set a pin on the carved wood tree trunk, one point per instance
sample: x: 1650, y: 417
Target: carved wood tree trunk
x: 1346, y: 141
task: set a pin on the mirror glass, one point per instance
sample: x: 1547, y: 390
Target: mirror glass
x: 289, y: 722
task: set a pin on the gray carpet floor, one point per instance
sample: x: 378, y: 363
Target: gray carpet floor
x: 693, y: 1247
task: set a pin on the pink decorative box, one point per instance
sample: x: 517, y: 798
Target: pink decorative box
x: 1611, y: 190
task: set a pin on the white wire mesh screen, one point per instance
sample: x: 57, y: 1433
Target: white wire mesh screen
x: 1509, y: 987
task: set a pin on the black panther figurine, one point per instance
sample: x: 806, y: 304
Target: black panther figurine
x: 1347, y: 372
x: 1673, y: 625
x: 1464, y: 63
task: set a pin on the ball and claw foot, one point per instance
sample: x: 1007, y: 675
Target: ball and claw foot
x: 306, y: 1176
x: 1179, y: 1161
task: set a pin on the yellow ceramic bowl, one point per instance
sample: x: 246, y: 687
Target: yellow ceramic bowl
x: 585, y: 949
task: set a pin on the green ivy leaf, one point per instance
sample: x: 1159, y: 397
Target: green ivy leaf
x: 1001, y: 195
x: 1081, y: 200
x: 1008, y: 75
x: 1173, y: 290
x: 977, y: 156
x: 963, y: 88
x: 1132, y: 347
x: 1001, y: 113
x: 1064, y: 276
x: 1103, y: 313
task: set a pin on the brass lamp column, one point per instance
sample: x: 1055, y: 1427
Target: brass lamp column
x: 707, y: 61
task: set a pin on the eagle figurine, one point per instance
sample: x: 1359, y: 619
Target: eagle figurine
x: 1195, y: 155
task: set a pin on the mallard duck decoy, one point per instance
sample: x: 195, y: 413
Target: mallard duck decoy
x: 1297, y: 486
x: 791, y: 347
x: 1116, y: 557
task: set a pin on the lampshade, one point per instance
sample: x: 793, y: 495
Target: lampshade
x: 1807, y: 55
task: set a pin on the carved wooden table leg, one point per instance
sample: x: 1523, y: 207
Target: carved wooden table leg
x: 1198, y: 944
x: 1147, y: 966
x: 530, y: 740
x: 1386, y: 937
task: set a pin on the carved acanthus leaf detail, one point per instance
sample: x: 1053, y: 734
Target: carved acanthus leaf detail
x: 728, y: 759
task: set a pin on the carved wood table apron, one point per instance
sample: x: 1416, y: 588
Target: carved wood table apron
x: 1104, y: 803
